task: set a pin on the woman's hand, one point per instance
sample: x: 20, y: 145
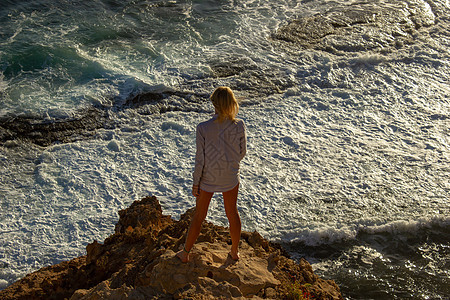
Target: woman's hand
x: 196, y: 191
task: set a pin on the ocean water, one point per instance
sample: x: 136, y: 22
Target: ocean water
x: 348, y: 128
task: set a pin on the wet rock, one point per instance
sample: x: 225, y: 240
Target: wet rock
x: 232, y: 67
x: 138, y: 262
x: 114, y: 146
x: 43, y: 132
x: 166, y: 100
x: 367, y: 26
x: 36, y: 130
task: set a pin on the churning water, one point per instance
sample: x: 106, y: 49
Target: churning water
x: 346, y: 104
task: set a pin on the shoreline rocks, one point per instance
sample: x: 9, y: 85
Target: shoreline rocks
x: 138, y: 262
x: 381, y: 27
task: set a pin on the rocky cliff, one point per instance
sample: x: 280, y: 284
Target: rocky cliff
x: 138, y: 262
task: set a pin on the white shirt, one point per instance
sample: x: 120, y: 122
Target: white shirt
x: 220, y: 148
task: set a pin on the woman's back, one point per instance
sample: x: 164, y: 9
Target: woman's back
x: 220, y: 148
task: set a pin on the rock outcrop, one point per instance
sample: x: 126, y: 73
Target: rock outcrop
x: 138, y: 262
x: 379, y: 26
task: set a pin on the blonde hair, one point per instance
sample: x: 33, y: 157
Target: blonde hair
x: 225, y: 103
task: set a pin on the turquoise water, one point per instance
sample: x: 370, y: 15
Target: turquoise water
x: 348, y: 160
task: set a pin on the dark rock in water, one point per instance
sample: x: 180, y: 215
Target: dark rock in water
x: 138, y: 262
x: 37, y: 130
x: 232, y: 66
x: 306, y: 32
x: 374, y: 25
x: 164, y: 101
x: 45, y: 133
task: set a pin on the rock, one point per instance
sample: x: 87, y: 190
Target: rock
x: 249, y: 275
x: 138, y: 262
x: 114, y: 146
x: 270, y: 293
x: 366, y: 26
x: 43, y: 132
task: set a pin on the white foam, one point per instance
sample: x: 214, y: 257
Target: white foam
x: 398, y: 227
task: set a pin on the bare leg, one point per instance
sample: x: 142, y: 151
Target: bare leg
x: 201, y: 209
x: 230, y: 200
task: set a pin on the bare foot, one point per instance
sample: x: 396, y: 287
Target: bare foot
x: 234, y: 255
x: 183, y: 256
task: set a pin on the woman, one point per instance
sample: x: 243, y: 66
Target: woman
x: 221, y: 145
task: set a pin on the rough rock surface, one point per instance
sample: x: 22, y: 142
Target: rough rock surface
x: 45, y: 132
x: 138, y: 262
x: 378, y: 26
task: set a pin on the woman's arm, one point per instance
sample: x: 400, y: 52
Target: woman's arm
x: 243, y: 142
x: 199, y: 159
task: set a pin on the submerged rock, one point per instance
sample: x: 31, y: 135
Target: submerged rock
x: 43, y: 131
x: 361, y: 26
x: 138, y: 262
x: 46, y: 132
